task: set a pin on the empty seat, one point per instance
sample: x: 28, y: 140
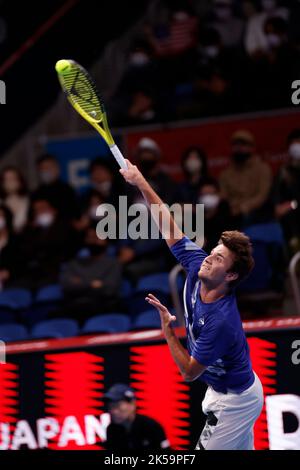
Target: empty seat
x: 51, y: 293
x: 13, y: 332
x: 154, y: 282
x: 107, y: 323
x: 55, y: 328
x: 148, y: 319
x: 15, y: 298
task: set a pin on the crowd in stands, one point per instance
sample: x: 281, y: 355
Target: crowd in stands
x: 195, y: 58
x: 48, y: 236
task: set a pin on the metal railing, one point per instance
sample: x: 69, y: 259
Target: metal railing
x: 294, y: 280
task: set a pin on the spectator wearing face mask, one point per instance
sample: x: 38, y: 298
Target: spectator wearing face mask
x: 287, y: 193
x: 229, y: 26
x: 246, y: 183
x: 194, y: 167
x: 10, y: 262
x: 14, y: 194
x: 91, y: 283
x: 275, y: 69
x: 52, y: 189
x: 217, y: 216
x: 148, y: 158
x: 46, y: 243
x: 256, y: 40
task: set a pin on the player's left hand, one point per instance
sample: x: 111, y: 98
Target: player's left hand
x: 165, y: 316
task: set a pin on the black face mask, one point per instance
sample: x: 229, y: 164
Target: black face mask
x: 147, y: 165
x: 95, y: 249
x: 241, y: 157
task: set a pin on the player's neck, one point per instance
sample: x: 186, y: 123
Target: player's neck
x: 212, y: 294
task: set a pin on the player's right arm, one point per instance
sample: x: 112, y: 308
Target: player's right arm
x: 162, y: 217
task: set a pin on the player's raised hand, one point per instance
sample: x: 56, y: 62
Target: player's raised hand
x: 165, y: 315
x: 132, y: 175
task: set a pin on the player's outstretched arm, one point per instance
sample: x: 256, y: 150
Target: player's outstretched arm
x: 162, y: 217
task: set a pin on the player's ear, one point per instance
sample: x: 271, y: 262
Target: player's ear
x: 231, y: 276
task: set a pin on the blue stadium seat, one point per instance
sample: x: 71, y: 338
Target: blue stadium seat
x: 126, y: 289
x: 154, y: 282
x: 6, y: 317
x: 15, y: 299
x: 55, y: 328
x: 51, y: 293
x: 107, y: 323
x: 13, y: 332
x: 146, y: 320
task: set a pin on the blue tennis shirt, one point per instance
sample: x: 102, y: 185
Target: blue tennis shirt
x: 215, y: 335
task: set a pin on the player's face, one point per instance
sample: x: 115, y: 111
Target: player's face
x: 215, y: 269
x: 121, y: 411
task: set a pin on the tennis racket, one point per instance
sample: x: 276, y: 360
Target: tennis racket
x: 84, y: 97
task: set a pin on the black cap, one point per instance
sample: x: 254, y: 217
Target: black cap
x: 120, y: 392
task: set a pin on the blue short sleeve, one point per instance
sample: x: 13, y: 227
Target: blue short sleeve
x: 214, y: 341
x: 188, y: 253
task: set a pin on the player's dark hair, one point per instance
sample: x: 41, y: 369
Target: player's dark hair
x: 239, y: 244
x: 293, y: 135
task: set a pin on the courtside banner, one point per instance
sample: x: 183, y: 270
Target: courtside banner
x: 51, y: 391
x: 269, y: 129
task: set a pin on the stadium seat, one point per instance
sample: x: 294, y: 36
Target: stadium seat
x: 146, y: 320
x: 55, y: 328
x: 107, y: 323
x: 126, y: 289
x: 154, y: 282
x: 15, y: 299
x: 13, y: 332
x: 49, y: 293
x: 6, y: 317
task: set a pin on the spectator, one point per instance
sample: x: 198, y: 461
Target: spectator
x: 217, y: 217
x: 287, y: 193
x: 46, y: 243
x: 14, y: 194
x: 129, y: 430
x: 229, y: 26
x: 52, y: 189
x: 194, y: 167
x: 91, y: 284
x: 275, y: 69
x: 10, y: 263
x: 256, y: 41
x: 246, y: 183
x: 148, y: 158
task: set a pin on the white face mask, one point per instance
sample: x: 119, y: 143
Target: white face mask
x: 104, y: 187
x: 210, y: 201
x: 193, y: 164
x: 211, y: 51
x: 44, y: 220
x: 2, y: 223
x: 138, y: 59
x: 294, y: 151
x: 273, y: 40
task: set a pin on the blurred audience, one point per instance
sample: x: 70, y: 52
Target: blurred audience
x: 14, y: 194
x: 217, y: 216
x: 229, y: 26
x: 46, y: 243
x: 51, y: 188
x: 91, y: 283
x: 287, y: 193
x: 9, y: 250
x: 246, y: 183
x: 194, y: 167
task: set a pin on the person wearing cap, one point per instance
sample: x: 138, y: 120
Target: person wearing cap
x: 287, y: 192
x: 246, y: 183
x: 128, y: 429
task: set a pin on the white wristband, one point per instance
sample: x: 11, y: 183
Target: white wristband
x: 118, y: 156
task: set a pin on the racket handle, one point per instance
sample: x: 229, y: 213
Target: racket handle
x: 118, y: 156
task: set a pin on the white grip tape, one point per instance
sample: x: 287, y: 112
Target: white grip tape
x: 118, y: 156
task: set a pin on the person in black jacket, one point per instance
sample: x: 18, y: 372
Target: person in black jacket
x: 9, y: 250
x: 128, y: 429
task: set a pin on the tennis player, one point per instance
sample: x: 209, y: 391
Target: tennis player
x: 217, y: 350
